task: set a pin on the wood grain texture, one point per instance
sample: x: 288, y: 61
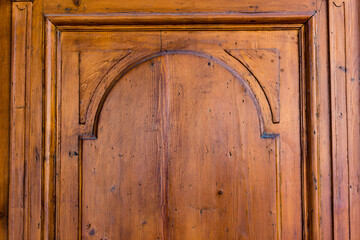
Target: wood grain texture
x: 35, y: 141
x: 48, y: 185
x: 339, y: 115
x: 317, y: 179
x: 103, y: 21
x: 5, y: 61
x: 353, y: 109
x: 345, y: 116
x: 215, y: 188
x: 94, y: 65
x: 196, y: 51
x: 19, y: 118
x: 264, y: 64
x: 323, y: 118
x: 188, y: 199
x: 174, y: 6
x: 311, y: 168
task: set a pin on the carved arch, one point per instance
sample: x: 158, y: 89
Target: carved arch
x: 239, y: 71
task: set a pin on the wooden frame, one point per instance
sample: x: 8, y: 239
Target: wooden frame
x: 27, y: 139
x: 57, y: 24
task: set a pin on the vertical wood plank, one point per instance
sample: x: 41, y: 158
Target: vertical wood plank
x: 19, y: 130
x: 311, y: 198
x: 5, y: 47
x: 323, y: 118
x: 68, y: 171
x: 339, y: 80
x: 48, y: 209
x: 352, y: 31
x: 35, y: 108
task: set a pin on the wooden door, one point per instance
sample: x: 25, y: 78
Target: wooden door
x: 178, y: 120
x: 180, y: 135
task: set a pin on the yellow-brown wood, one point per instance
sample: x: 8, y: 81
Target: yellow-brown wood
x: 184, y: 120
x: 174, y: 6
x: 19, y: 131
x: 166, y: 121
x: 5, y: 61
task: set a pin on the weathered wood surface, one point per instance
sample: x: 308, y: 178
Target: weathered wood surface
x: 150, y: 112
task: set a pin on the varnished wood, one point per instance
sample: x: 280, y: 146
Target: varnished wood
x: 324, y: 134
x: 167, y: 42
x: 5, y: 61
x: 311, y: 160
x: 48, y: 197
x: 110, y: 78
x: 19, y: 151
x: 345, y: 115
x: 353, y: 108
x: 173, y: 6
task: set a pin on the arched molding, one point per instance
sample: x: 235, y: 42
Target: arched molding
x: 220, y: 57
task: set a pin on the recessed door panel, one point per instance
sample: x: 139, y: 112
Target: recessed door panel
x: 180, y: 135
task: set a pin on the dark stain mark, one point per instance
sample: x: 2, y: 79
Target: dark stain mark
x: 112, y: 189
x: 342, y: 68
x: 144, y: 223
x: 209, y: 63
x: 68, y: 9
x: 230, y: 154
x: 220, y: 192
x: 76, y: 3
x: 92, y: 232
x: 120, y: 155
x: 272, y: 60
x: 88, y: 226
x: 179, y: 93
x: 37, y: 155
x: 72, y: 154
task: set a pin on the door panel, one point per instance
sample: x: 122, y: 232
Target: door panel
x: 219, y: 166
x: 122, y: 168
x: 179, y: 135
